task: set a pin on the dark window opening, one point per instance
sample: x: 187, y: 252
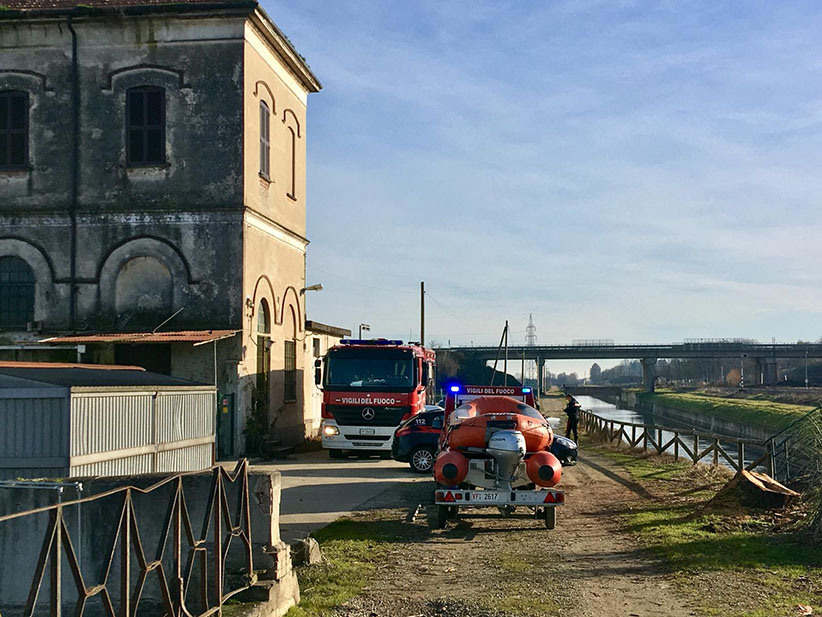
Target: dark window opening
x: 145, y: 125
x: 263, y: 354
x: 154, y: 357
x: 290, y: 386
x: 265, y: 141
x: 14, y: 130
x: 16, y: 293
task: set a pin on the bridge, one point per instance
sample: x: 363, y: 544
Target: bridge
x: 765, y: 355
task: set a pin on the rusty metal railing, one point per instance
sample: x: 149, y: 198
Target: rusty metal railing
x: 189, y: 563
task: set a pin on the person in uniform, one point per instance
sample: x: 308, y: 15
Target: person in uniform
x: 572, y: 409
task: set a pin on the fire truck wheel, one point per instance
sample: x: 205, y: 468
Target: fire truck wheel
x: 550, y: 518
x: 422, y: 459
x: 335, y: 453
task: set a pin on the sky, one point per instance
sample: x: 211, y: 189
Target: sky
x: 644, y: 172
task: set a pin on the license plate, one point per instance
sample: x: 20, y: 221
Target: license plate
x: 488, y: 496
x: 367, y: 431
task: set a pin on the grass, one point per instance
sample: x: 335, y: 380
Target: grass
x: 749, y: 564
x: 351, y: 551
x: 754, y: 411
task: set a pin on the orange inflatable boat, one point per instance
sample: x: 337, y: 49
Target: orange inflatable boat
x: 472, y: 424
x: 512, y: 436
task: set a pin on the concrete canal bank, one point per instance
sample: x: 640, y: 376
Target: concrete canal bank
x: 701, y: 421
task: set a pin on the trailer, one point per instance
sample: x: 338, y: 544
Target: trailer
x: 495, y: 452
x: 540, y: 504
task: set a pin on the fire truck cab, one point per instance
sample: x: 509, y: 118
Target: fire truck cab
x: 369, y: 388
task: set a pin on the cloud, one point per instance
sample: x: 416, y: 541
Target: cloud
x: 621, y: 171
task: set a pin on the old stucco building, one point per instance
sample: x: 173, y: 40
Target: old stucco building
x: 152, y: 183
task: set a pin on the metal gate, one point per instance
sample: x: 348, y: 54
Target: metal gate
x: 199, y: 555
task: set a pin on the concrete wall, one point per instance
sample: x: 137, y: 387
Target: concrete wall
x: 202, y: 232
x: 178, y: 214
x: 281, y: 199
x: 313, y: 394
x: 93, y: 526
x: 705, y: 422
x: 275, y: 273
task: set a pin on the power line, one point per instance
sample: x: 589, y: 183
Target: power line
x: 440, y: 304
x: 361, y: 284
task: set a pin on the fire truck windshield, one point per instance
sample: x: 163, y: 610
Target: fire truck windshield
x: 370, y: 369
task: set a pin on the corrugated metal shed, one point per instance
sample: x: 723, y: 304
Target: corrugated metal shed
x: 81, y: 420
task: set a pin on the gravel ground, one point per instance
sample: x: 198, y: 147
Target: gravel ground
x: 487, y: 566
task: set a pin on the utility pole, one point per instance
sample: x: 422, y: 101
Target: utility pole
x: 422, y: 313
x: 505, y: 379
x: 522, y: 377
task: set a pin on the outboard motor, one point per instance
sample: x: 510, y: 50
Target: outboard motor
x: 508, y: 450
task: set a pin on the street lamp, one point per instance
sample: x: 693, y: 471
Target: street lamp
x: 364, y: 326
x: 316, y: 287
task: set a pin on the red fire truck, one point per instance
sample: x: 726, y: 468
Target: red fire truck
x: 369, y: 388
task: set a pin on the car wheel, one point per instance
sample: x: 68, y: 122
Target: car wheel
x: 422, y: 460
x: 335, y: 453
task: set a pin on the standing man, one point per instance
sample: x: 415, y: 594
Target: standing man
x: 572, y: 409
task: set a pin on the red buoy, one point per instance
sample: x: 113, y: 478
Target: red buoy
x: 450, y: 468
x: 544, y: 469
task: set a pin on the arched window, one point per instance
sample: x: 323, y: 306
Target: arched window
x: 145, y: 126
x: 16, y: 292
x: 263, y: 352
x: 14, y: 130
x: 265, y: 141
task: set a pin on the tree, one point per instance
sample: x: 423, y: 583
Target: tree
x: 596, y: 373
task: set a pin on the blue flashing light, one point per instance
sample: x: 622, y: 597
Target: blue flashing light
x: 526, y: 390
x: 455, y: 388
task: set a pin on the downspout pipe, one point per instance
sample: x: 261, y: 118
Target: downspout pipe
x: 75, y: 173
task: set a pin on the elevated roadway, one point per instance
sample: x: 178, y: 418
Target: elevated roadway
x: 765, y: 354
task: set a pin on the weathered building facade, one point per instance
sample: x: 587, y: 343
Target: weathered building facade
x: 152, y: 177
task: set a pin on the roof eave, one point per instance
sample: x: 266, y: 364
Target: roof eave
x: 244, y: 7
x: 285, y: 49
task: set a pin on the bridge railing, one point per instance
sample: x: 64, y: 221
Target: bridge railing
x: 178, y: 547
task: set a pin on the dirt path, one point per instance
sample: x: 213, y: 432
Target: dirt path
x: 482, y: 567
